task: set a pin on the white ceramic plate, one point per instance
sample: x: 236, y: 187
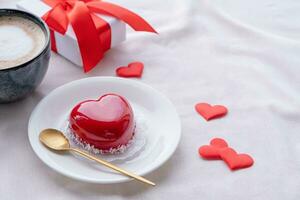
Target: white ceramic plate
x: 163, y: 133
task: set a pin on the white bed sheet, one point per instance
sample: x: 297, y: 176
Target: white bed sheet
x: 245, y: 55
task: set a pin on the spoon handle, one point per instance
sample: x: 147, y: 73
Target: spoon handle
x: 111, y: 166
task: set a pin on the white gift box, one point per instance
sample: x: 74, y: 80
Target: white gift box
x: 67, y: 44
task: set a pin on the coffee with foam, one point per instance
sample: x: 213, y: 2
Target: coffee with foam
x: 20, y: 41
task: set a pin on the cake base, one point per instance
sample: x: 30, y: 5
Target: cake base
x: 91, y: 148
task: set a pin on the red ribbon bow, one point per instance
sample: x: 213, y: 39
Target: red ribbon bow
x: 80, y: 14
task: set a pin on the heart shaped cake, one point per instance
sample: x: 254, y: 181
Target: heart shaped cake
x: 106, y: 123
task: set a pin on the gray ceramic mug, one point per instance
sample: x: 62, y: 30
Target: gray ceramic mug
x: 19, y: 81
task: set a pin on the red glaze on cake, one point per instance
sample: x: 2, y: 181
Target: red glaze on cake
x: 106, y: 123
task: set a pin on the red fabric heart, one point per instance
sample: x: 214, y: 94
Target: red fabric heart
x: 134, y: 69
x: 219, y: 149
x: 211, y: 152
x: 234, y: 160
x: 210, y: 112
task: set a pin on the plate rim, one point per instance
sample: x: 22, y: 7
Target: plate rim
x: 121, y: 179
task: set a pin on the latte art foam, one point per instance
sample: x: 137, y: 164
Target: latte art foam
x: 20, y: 41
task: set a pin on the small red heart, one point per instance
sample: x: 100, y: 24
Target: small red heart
x: 210, y: 112
x: 134, y: 69
x: 211, y: 151
x: 234, y: 160
x: 219, y: 142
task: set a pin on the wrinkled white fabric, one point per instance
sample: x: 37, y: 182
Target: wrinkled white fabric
x: 242, y: 54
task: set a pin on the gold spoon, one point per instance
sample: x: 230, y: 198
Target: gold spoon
x: 55, y: 140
